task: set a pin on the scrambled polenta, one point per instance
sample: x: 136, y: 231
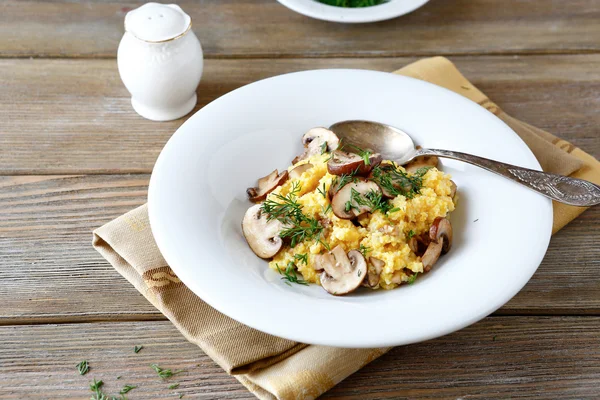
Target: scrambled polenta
x: 379, y: 235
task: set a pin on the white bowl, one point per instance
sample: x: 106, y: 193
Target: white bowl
x: 389, y: 10
x: 197, y: 199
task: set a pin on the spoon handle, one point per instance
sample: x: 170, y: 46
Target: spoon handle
x: 572, y: 191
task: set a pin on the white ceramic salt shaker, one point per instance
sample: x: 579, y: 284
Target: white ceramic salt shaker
x: 160, y: 61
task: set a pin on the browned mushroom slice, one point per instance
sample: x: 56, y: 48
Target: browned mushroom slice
x: 261, y: 234
x: 342, y: 163
x: 441, y: 229
x: 342, y: 273
x: 299, y: 170
x: 440, y: 235
x: 351, y: 201
x: 421, y: 162
x: 266, y: 185
x: 418, y: 244
x: 453, y: 189
x: 317, y: 141
x: 374, y: 268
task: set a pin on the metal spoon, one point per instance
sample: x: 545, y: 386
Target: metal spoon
x: 396, y: 145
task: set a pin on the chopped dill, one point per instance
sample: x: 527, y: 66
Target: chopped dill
x: 126, y: 389
x: 290, y: 275
x: 322, y: 191
x: 364, y: 154
x: 372, y: 199
x: 364, y: 250
x: 302, y: 258
x: 297, y: 226
x: 326, y: 209
x: 83, y: 367
x: 397, y: 182
x: 164, y: 373
x: 410, y: 234
x: 395, y: 209
x: 324, y: 148
x: 412, y: 278
x: 136, y: 349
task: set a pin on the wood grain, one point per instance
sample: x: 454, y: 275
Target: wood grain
x: 264, y: 28
x: 51, y: 273
x: 500, y: 357
x: 74, y: 116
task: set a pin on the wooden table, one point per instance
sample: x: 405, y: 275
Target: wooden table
x: 74, y: 155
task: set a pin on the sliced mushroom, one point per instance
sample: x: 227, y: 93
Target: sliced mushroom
x: 421, y: 162
x: 317, y: 141
x: 261, y: 234
x: 342, y: 163
x: 374, y: 268
x: 441, y: 229
x: 266, y: 185
x: 418, y: 244
x: 344, y: 204
x: 440, y: 234
x: 343, y: 272
x: 299, y: 170
x: 453, y: 188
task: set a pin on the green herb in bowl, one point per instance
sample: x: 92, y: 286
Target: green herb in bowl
x: 353, y: 3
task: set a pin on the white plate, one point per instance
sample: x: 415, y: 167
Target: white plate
x: 389, y: 10
x: 197, y: 199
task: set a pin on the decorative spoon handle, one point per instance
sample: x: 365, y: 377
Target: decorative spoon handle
x: 572, y: 191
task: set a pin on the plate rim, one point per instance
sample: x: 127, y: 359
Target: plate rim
x: 383, y: 12
x: 153, y: 217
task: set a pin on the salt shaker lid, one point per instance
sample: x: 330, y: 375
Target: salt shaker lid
x: 154, y: 22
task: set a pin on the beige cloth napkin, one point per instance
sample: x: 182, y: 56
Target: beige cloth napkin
x: 275, y: 368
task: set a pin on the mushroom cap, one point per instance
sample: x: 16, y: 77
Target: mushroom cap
x: 440, y: 235
x: 299, y: 170
x: 342, y: 273
x: 313, y: 141
x: 342, y: 162
x: 342, y: 203
x: 431, y: 255
x: 374, y: 268
x: 453, y: 189
x: 266, y: 185
x: 261, y: 234
x: 441, y: 229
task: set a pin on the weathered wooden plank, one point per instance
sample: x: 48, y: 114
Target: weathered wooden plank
x: 51, y: 273
x: 265, y: 28
x: 74, y: 116
x: 500, y: 357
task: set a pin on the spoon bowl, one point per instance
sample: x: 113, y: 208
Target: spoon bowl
x: 396, y: 145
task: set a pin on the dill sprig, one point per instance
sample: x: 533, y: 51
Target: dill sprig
x: 174, y: 386
x: 136, y: 349
x: 353, y: 3
x: 297, y: 225
x: 412, y: 278
x: 83, y: 367
x: 364, y: 154
x: 127, y: 388
x: 96, y: 387
x: 290, y: 275
x: 322, y: 191
x: 397, y: 182
x: 340, y: 181
x: 410, y: 234
x: 372, y: 199
x: 364, y: 250
x: 164, y: 373
x: 302, y: 258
